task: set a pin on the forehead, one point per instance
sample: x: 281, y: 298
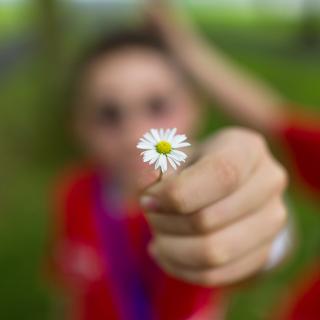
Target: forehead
x: 130, y: 71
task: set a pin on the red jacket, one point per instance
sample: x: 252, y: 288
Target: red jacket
x: 102, y: 261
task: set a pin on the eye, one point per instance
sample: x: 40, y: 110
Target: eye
x: 109, y: 114
x: 158, y: 105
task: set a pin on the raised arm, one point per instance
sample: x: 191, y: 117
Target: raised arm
x: 241, y: 95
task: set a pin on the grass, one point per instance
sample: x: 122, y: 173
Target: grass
x: 33, y: 149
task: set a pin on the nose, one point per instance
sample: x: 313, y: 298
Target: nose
x: 135, y: 128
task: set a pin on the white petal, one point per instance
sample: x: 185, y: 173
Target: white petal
x: 161, y: 134
x: 163, y: 163
x: 146, y: 141
x: 179, y: 155
x: 157, y: 163
x: 172, y: 163
x: 144, y: 145
x: 155, y: 134
x: 166, y: 134
x: 155, y: 158
x: 181, y: 145
x: 148, y: 155
x: 171, y: 135
x: 178, y: 138
x: 148, y: 136
x: 175, y: 160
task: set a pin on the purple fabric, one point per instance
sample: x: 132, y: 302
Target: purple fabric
x: 130, y: 290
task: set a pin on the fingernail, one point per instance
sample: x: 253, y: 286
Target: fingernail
x: 149, y: 203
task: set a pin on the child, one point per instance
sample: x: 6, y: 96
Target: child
x: 213, y: 223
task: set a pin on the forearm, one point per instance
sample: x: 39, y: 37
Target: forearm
x: 242, y: 96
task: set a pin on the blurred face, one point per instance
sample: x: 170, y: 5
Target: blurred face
x: 122, y: 96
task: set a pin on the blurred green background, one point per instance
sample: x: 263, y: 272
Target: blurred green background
x: 39, y: 40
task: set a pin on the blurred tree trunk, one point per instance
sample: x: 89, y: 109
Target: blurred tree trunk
x: 51, y: 36
x: 48, y: 24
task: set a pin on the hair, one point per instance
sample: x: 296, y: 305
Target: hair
x: 112, y: 43
x: 125, y: 39
x: 144, y: 38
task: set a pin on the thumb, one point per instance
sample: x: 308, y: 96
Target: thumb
x: 156, y: 196
x: 161, y: 192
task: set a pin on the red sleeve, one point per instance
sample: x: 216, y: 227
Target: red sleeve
x: 300, y: 138
x: 67, y: 231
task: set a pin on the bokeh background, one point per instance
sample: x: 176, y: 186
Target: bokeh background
x: 279, y: 40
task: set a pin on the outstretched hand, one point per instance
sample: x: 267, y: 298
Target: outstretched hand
x: 214, y: 222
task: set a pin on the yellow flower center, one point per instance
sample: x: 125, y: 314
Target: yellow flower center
x: 163, y: 147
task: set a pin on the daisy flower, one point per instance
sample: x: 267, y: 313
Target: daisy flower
x: 161, y: 146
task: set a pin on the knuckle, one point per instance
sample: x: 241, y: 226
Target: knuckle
x: 258, y: 140
x: 213, y: 254
x: 280, y: 216
x: 175, y: 196
x: 255, y: 138
x: 227, y: 172
x: 207, y: 219
x: 281, y: 177
x: 199, y: 222
x: 221, y: 214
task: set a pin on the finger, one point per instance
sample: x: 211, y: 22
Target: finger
x: 217, y: 174
x: 228, y: 274
x: 227, y: 244
x: 268, y: 181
